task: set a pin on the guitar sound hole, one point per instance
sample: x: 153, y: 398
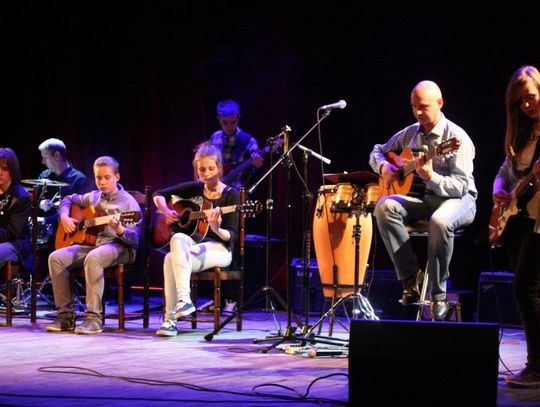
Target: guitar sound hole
x: 184, y: 220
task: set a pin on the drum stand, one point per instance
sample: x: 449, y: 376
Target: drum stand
x: 362, y: 309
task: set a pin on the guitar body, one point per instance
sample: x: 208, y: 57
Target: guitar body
x: 89, y: 223
x: 521, y: 195
x: 498, y: 221
x: 406, y: 163
x: 403, y: 184
x: 82, y: 235
x: 187, y: 210
x: 192, y: 219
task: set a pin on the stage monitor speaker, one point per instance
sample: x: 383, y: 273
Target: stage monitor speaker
x: 399, y: 363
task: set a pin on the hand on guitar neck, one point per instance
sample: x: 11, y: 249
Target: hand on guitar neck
x: 256, y: 160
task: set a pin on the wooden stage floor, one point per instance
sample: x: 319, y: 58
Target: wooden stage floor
x: 136, y: 368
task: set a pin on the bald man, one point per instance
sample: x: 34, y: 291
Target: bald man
x: 443, y: 192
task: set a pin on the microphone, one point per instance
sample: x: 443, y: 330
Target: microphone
x: 338, y: 105
x: 314, y: 154
x: 285, y: 131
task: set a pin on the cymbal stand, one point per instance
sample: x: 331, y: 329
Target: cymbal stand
x: 361, y: 308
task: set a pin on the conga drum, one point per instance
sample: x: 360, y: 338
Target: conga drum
x: 335, y: 244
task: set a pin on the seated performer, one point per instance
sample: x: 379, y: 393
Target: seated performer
x: 15, y: 209
x: 54, y: 157
x: 448, y: 199
x: 115, y: 243
x: 190, y: 253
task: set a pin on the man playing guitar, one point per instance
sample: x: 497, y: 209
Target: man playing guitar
x: 448, y: 201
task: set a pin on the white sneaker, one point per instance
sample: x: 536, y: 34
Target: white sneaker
x: 168, y: 328
x: 208, y: 307
x: 230, y: 307
x: 183, y: 309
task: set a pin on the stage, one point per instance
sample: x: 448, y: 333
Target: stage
x: 136, y: 367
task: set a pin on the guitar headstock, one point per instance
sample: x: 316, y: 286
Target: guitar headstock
x: 250, y: 208
x: 448, y: 147
x: 128, y: 217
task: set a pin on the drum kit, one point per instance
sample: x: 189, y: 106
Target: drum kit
x: 342, y: 234
x: 46, y: 230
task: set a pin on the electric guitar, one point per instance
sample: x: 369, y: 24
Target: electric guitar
x: 403, y: 183
x: 521, y: 194
x: 192, y: 218
x: 232, y: 173
x: 90, y: 223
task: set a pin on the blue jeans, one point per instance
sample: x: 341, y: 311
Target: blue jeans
x: 445, y: 216
x: 8, y: 252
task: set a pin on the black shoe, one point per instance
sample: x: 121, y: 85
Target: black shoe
x: 411, y: 294
x: 439, y: 310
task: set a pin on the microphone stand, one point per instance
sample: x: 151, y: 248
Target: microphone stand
x: 289, y: 334
x: 271, y: 295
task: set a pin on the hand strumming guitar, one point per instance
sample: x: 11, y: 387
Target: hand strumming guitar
x: 256, y: 159
x: 68, y: 223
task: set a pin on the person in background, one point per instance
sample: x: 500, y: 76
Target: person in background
x: 521, y: 234
x: 15, y: 210
x: 54, y: 157
x: 241, y: 159
x: 239, y: 150
x: 115, y: 243
x: 188, y: 255
x: 447, y: 197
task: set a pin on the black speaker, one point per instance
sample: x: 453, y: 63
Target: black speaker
x: 401, y: 363
x: 496, y: 301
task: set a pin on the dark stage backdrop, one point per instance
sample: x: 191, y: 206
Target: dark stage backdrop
x: 140, y: 83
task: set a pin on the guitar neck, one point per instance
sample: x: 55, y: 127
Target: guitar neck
x: 524, y: 185
x: 98, y: 221
x: 204, y: 213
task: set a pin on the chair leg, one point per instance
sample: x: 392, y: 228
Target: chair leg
x: 239, y: 308
x: 33, y: 299
x: 9, y: 294
x: 120, y: 300
x: 146, y: 300
x: 423, y: 292
x: 217, y: 297
x: 194, y: 296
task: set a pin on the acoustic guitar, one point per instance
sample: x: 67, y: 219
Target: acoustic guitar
x: 521, y: 194
x: 192, y: 219
x: 90, y: 223
x: 403, y: 183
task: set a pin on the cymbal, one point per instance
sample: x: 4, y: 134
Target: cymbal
x: 356, y: 177
x: 44, y: 181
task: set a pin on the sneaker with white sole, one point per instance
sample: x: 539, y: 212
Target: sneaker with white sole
x: 527, y: 378
x: 89, y: 327
x: 229, y: 308
x: 64, y: 322
x: 168, y: 328
x: 207, y: 307
x: 183, y: 309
